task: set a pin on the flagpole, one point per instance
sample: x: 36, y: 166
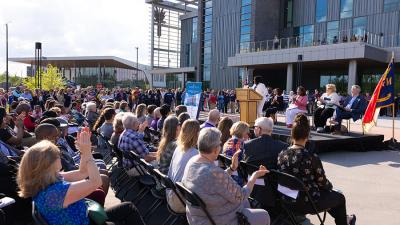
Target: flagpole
x: 393, y: 108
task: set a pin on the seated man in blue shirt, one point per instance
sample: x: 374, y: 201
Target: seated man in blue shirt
x: 132, y: 140
x: 354, y: 108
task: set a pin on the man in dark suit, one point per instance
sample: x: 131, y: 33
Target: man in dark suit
x: 353, y: 108
x: 263, y: 150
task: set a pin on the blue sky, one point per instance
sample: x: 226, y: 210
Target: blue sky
x: 74, y: 28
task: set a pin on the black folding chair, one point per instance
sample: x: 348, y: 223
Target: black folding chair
x: 107, y: 153
x: 37, y: 218
x: 292, y: 182
x: 194, y: 200
x: 167, y: 183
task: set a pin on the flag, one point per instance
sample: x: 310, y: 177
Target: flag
x: 383, y: 97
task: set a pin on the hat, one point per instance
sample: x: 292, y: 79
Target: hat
x: 49, y: 114
x: 63, y: 122
x: 53, y: 121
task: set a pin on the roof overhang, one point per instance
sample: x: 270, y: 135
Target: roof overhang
x: 174, y: 70
x: 83, y: 61
x: 344, y: 51
x: 176, y: 5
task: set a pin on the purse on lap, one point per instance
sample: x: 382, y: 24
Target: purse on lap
x: 96, y: 212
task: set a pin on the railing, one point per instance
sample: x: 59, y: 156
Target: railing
x: 378, y: 40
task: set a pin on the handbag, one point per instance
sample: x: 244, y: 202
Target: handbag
x: 96, y: 212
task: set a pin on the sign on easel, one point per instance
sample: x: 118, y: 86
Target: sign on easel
x: 192, y: 98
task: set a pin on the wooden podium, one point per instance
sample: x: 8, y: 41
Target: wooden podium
x: 248, y: 100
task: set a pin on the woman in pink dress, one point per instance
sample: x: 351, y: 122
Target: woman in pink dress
x: 299, y: 105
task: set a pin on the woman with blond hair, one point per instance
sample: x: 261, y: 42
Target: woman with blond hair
x: 141, y: 112
x: 167, y: 144
x: 185, y: 150
x: 118, y: 128
x: 326, y: 107
x: 239, y: 134
x: 59, y: 196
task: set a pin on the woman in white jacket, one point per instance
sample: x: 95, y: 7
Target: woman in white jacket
x: 263, y: 91
x: 327, y: 104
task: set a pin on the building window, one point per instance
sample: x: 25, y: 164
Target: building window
x: 359, y: 26
x: 321, y: 10
x: 332, y: 32
x: 346, y: 8
x: 207, y: 37
x: 288, y: 13
x: 194, y: 30
x: 391, y: 5
x: 305, y: 34
x: 245, y: 25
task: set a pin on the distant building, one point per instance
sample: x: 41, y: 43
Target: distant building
x: 91, y: 70
x: 288, y: 42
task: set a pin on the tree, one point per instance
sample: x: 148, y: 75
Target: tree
x: 51, y: 79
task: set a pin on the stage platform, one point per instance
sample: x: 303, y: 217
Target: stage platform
x: 324, y: 142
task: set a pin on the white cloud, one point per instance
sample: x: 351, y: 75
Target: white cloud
x: 74, y: 28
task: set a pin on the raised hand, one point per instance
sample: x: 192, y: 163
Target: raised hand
x: 143, y: 126
x: 261, y: 172
x: 83, y: 141
x: 235, y: 160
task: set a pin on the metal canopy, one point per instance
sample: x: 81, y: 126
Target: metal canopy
x: 176, y: 5
x: 82, y: 61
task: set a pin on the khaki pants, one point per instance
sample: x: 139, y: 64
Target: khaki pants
x: 233, y: 107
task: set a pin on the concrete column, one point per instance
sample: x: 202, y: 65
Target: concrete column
x: 352, y: 75
x: 289, y: 78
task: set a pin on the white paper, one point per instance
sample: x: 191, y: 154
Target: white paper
x: 288, y: 192
x: 6, y: 201
x: 258, y: 181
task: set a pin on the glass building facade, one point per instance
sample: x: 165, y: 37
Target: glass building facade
x: 346, y: 8
x: 321, y: 10
x: 207, y: 42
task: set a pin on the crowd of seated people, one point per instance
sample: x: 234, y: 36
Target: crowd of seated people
x: 65, y: 166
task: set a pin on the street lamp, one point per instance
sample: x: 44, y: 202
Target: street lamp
x: 7, y: 57
x: 137, y: 65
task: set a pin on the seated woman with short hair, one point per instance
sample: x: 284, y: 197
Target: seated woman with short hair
x: 59, y: 196
x: 326, y: 107
x: 223, y: 197
x: 307, y: 167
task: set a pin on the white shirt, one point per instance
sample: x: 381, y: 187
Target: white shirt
x: 261, y: 89
x: 334, y: 99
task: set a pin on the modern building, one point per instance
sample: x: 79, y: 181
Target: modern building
x: 224, y: 43
x: 91, y: 70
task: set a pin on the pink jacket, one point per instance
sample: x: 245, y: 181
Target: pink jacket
x: 301, y: 102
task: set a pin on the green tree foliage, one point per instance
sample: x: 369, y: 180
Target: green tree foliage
x: 13, y: 80
x: 51, y: 79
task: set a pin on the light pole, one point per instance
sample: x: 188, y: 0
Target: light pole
x: 6, y: 57
x: 137, y: 65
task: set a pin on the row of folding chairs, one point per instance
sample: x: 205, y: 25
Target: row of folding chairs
x: 287, y: 215
x: 145, y: 187
x: 149, y: 185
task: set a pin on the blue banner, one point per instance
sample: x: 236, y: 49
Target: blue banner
x: 192, y: 98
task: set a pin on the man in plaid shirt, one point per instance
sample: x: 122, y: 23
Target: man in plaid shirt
x: 132, y: 140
